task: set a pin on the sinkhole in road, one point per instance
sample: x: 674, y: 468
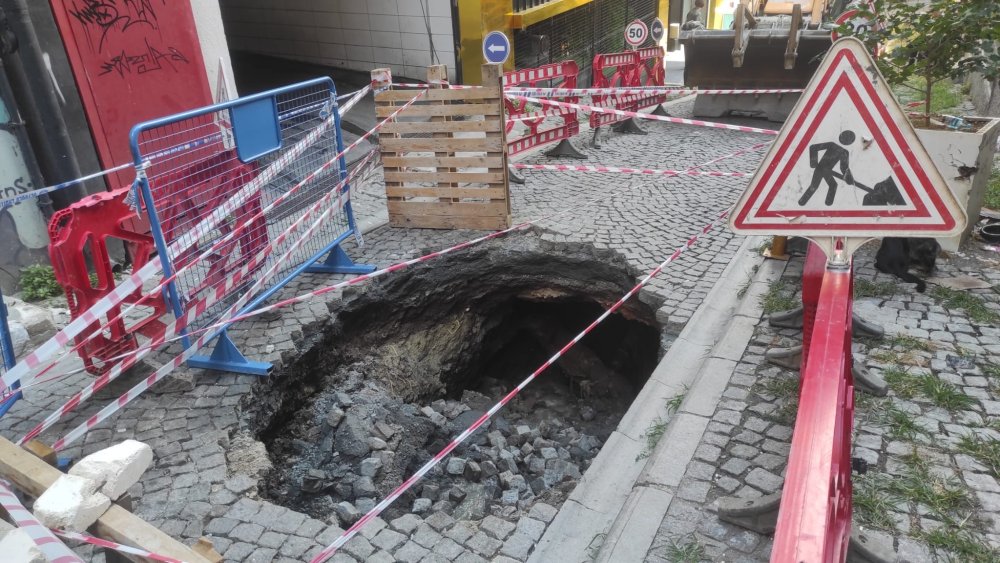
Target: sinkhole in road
x: 405, y: 364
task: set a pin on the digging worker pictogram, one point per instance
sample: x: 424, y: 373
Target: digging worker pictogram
x: 834, y: 155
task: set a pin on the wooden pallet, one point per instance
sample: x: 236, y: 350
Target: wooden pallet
x: 445, y: 157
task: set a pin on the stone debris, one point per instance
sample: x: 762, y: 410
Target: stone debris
x: 71, y: 503
x: 116, y: 468
x: 17, y: 545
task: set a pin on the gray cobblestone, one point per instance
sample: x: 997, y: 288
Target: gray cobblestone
x: 388, y: 540
x: 245, y: 532
x: 411, y: 552
x: 483, y: 544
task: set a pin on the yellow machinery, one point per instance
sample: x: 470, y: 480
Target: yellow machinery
x: 769, y: 45
x: 547, y: 31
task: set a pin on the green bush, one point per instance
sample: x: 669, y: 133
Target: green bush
x: 39, y: 282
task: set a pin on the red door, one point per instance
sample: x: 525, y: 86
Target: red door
x: 133, y: 60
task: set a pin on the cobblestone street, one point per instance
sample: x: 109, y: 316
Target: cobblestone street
x: 204, y: 478
x: 931, y: 489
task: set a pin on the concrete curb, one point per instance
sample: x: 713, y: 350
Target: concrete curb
x: 623, y: 496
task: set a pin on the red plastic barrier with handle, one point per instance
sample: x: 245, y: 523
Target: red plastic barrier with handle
x: 556, y: 75
x: 624, y: 72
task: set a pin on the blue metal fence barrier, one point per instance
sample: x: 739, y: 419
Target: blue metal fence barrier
x: 237, y: 175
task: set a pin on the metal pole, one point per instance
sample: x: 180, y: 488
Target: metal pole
x: 7, y: 347
x: 36, y: 98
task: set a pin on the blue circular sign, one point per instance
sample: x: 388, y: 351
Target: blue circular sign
x: 496, y: 47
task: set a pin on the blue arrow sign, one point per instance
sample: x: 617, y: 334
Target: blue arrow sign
x: 496, y: 47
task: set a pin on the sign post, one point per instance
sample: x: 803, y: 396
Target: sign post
x: 496, y: 47
x: 636, y: 33
x: 656, y: 30
x: 847, y: 167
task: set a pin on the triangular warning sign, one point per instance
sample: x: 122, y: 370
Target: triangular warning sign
x: 847, y: 163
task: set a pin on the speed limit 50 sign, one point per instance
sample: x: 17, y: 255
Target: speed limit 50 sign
x: 636, y: 33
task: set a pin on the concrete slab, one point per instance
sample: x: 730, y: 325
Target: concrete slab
x: 670, y: 458
x: 645, y: 509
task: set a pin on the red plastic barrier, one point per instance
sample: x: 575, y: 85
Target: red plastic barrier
x: 624, y: 69
x: 82, y: 233
x: 814, y: 520
x: 650, y: 73
x: 557, y: 75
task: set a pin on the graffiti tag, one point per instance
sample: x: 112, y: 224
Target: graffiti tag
x: 152, y: 60
x: 104, y: 16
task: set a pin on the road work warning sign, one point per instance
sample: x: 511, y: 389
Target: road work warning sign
x: 847, y: 163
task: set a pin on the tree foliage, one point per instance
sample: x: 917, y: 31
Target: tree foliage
x: 934, y: 40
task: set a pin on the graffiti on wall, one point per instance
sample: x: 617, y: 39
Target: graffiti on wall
x: 133, y: 60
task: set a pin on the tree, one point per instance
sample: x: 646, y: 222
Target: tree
x: 936, y: 40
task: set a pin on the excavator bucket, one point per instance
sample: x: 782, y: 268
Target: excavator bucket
x: 780, y: 49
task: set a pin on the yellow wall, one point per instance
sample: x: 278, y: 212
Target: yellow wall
x: 476, y: 18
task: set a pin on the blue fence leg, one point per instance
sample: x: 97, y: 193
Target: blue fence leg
x: 338, y: 262
x: 227, y: 357
x: 7, y: 349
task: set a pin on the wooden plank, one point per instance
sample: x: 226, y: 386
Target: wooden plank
x: 441, y: 94
x: 492, y: 74
x: 448, y: 208
x: 488, y: 193
x: 452, y: 161
x: 440, y: 126
x: 418, y: 110
x: 450, y: 177
x: 437, y: 145
x: 437, y: 74
x: 34, y: 476
x: 433, y: 222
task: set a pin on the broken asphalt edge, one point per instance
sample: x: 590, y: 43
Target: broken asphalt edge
x: 624, y: 495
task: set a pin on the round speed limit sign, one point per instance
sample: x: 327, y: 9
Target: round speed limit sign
x: 857, y: 23
x: 636, y: 33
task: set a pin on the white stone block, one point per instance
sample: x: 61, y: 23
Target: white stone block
x: 17, y: 545
x: 116, y: 468
x: 72, y: 503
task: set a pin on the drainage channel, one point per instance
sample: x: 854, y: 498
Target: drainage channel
x: 404, y: 365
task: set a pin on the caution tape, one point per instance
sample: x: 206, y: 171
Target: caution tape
x: 680, y: 120
x: 129, y: 285
x: 228, y: 320
x: 50, y: 546
x: 194, y: 309
x: 34, y: 194
x: 388, y: 500
x: 620, y: 170
x: 121, y: 548
x: 165, y: 370
x: 634, y: 91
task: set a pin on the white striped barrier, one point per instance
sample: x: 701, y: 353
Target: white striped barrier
x: 624, y: 113
x: 50, y: 546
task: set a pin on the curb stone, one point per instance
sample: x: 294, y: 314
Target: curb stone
x: 622, y: 493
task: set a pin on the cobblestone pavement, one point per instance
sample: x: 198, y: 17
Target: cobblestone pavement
x: 204, y: 478
x: 933, y: 444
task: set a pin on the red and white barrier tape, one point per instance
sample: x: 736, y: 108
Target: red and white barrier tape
x: 50, y: 546
x: 680, y: 120
x: 449, y: 86
x: 86, y: 538
x: 165, y: 370
x: 619, y: 170
x: 634, y: 91
x: 388, y: 500
x: 194, y: 309
x: 134, y: 282
x: 227, y: 319
x: 129, y: 285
